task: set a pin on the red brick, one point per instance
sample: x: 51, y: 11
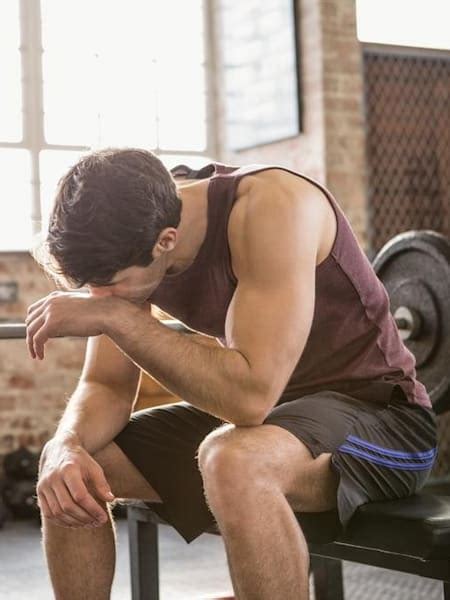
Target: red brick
x: 21, y: 382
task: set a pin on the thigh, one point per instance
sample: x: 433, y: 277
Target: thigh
x: 378, y: 451
x: 267, y: 458
x: 123, y: 477
x: 319, y: 423
x: 165, y: 438
x: 323, y: 420
x: 162, y: 442
x: 309, y: 483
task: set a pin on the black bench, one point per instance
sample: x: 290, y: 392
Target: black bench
x: 411, y: 535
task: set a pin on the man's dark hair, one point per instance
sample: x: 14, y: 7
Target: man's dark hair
x: 109, y: 209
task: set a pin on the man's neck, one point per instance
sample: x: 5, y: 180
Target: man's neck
x: 193, y: 224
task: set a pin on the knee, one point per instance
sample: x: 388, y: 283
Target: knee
x: 219, y: 452
x: 228, y: 465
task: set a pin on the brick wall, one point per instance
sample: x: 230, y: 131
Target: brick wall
x: 32, y: 393
x: 345, y: 161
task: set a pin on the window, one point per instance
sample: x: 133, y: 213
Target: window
x: 85, y: 74
x: 404, y: 22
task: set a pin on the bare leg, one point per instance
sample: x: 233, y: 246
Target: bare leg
x: 267, y: 551
x: 81, y: 562
x: 249, y: 475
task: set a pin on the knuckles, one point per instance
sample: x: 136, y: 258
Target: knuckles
x: 78, y: 496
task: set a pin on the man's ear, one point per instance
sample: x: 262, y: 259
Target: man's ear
x: 166, y: 242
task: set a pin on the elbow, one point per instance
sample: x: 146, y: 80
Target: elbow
x: 254, y: 414
x: 247, y: 421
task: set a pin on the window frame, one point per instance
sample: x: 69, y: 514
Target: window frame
x: 33, y: 138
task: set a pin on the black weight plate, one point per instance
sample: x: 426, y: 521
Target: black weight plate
x: 414, y: 267
x: 414, y: 294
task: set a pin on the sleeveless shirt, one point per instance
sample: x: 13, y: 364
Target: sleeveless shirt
x: 353, y: 346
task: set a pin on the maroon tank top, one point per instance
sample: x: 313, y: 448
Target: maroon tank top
x: 353, y: 346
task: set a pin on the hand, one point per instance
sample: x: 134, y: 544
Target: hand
x: 65, y: 314
x: 65, y: 470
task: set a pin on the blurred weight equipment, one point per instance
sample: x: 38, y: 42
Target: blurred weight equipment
x: 21, y: 464
x: 415, y: 269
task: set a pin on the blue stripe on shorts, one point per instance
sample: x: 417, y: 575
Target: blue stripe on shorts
x: 387, y: 457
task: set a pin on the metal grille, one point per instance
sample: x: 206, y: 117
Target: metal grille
x: 407, y: 100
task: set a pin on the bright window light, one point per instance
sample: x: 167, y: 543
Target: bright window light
x: 404, y: 22
x: 15, y: 198
x: 114, y: 73
x: 10, y: 89
x: 124, y: 73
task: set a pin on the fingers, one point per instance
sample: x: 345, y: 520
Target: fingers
x: 83, y: 498
x: 46, y: 511
x: 31, y: 332
x: 35, y: 321
x: 32, y: 314
x: 39, y: 339
x: 67, y: 502
x: 51, y: 509
x: 58, y: 506
x: 101, y: 486
x: 33, y: 307
x: 69, y: 508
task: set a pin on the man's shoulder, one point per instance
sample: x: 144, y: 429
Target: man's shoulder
x: 275, y: 189
x: 278, y: 181
x: 270, y: 206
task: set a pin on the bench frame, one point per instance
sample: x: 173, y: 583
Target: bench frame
x: 326, y: 561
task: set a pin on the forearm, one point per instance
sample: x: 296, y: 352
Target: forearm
x: 93, y: 416
x: 217, y: 380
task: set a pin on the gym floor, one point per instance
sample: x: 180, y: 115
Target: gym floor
x: 188, y: 572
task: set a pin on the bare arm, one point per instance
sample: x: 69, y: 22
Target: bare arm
x: 71, y: 482
x: 276, y: 273
x: 274, y: 259
x: 102, y: 403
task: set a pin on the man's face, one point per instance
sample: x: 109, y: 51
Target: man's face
x: 135, y: 284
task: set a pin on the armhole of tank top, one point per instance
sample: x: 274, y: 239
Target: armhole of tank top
x: 232, y: 190
x: 335, y: 248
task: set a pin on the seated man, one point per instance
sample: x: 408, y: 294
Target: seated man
x: 309, y: 404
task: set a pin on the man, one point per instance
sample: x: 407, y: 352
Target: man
x: 310, y: 403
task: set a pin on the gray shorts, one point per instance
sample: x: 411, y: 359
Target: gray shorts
x: 380, y: 451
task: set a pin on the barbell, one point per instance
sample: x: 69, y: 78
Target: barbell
x: 414, y: 267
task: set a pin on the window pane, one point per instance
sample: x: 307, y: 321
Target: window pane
x: 182, y: 110
x: 15, y: 192
x: 100, y: 92
x: 69, y: 64
x: 181, y: 76
x: 53, y: 165
x: 404, y: 22
x: 10, y: 69
x: 103, y: 92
